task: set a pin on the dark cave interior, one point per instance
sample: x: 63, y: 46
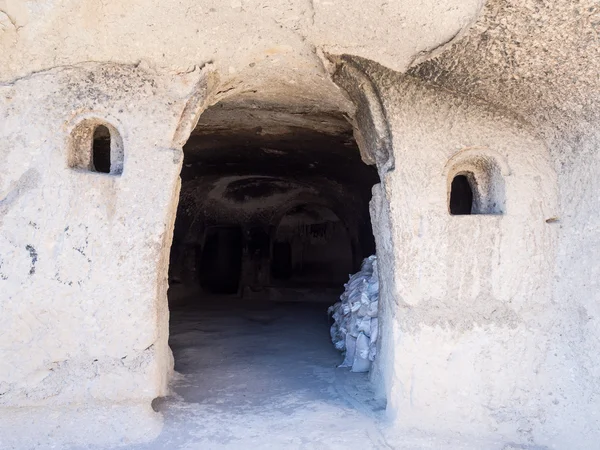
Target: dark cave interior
x: 271, y: 205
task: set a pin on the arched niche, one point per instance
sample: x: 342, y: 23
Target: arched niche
x: 311, y: 246
x: 475, y: 181
x: 96, y: 146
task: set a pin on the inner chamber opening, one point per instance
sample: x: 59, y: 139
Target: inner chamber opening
x: 273, y: 217
x: 311, y: 247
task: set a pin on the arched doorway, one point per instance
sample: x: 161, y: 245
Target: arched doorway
x: 273, y: 217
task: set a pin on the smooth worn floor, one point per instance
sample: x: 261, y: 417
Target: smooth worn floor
x: 263, y: 375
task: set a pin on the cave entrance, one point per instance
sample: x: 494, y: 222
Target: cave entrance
x: 273, y: 217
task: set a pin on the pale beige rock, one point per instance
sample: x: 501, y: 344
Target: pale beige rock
x: 489, y: 323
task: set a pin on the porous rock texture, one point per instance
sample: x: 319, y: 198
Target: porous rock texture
x: 540, y: 61
x: 83, y: 322
x: 489, y: 323
x: 463, y: 294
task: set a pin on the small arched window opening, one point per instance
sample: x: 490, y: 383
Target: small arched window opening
x: 96, y: 147
x: 101, y: 149
x: 476, y: 185
x: 461, y: 196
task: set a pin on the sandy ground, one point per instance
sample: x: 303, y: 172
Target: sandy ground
x: 263, y: 376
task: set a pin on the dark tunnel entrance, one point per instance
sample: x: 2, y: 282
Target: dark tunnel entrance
x: 311, y: 247
x: 220, y: 265
x: 273, y: 217
x: 268, y: 207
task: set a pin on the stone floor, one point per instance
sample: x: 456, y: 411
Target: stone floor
x: 250, y: 375
x: 263, y: 376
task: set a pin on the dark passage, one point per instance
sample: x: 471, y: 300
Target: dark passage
x: 461, y: 196
x: 101, y: 149
x: 281, y: 260
x: 272, y: 219
x: 270, y: 210
x: 221, y: 260
x: 311, y: 247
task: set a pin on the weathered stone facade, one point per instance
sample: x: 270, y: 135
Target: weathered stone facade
x: 490, y: 321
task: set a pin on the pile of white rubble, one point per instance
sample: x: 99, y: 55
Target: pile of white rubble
x: 355, y: 327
